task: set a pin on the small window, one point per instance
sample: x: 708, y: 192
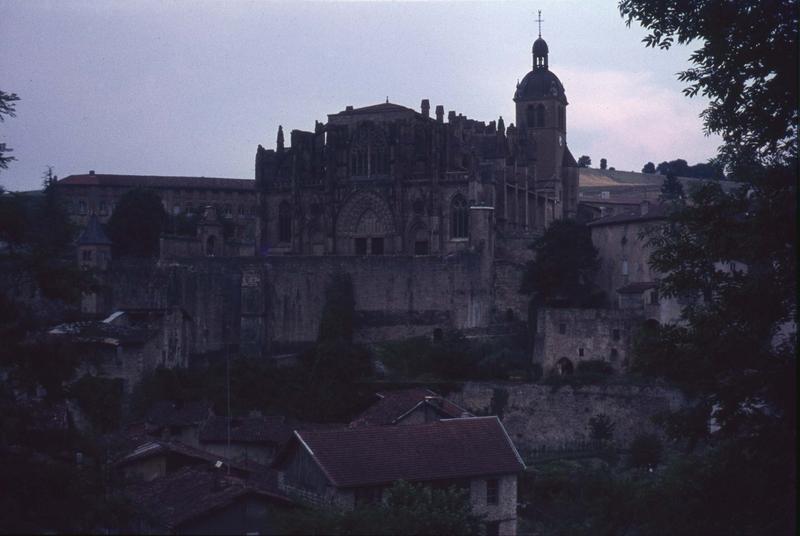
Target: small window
x: 654, y: 297
x: 492, y: 491
x: 361, y: 246
x: 87, y: 255
x: 459, y: 220
x: 614, y: 354
x: 562, y: 328
x: 624, y: 267
x: 615, y: 334
x: 377, y: 246
x: 82, y: 207
x: 580, y: 352
x: 103, y: 208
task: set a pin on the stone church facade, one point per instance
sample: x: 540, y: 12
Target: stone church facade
x: 389, y: 180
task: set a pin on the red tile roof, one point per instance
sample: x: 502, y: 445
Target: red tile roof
x: 195, y: 491
x: 156, y: 181
x: 447, y: 449
x: 392, y: 406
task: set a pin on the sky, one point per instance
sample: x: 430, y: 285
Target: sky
x: 193, y: 87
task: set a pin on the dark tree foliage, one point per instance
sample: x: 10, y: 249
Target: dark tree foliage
x: 746, y: 66
x: 584, y: 161
x: 713, y: 169
x: 562, y: 273
x: 136, y: 224
x: 7, y: 108
x: 603, y: 163
x: 407, y: 509
x: 649, y: 168
x: 735, y: 350
x: 338, y: 313
x: 645, y: 451
x: 679, y: 167
x: 671, y: 189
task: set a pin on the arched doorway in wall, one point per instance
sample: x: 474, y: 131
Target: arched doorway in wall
x: 365, y: 226
x: 564, y: 367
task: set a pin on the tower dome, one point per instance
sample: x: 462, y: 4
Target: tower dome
x: 540, y: 48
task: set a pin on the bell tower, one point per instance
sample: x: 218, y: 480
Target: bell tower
x: 541, y: 107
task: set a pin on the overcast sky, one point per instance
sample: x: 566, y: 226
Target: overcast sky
x: 192, y: 87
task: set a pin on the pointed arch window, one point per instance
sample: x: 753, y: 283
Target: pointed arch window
x: 284, y: 222
x: 459, y: 224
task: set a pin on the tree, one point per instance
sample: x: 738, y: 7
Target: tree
x: 603, y: 163
x: 649, y: 168
x: 565, y: 263
x: 601, y: 428
x: 8, y: 108
x: 136, y: 224
x: 677, y: 167
x: 735, y: 349
x: 671, y: 188
x: 584, y: 161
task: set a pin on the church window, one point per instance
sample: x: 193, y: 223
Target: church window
x: 624, y: 267
x: 284, y: 223
x: 211, y: 242
x: 492, y: 491
x: 614, y: 354
x: 228, y: 210
x: 530, y: 116
x: 459, y: 218
x: 580, y: 352
x: 241, y: 211
x: 562, y: 122
x: 540, y: 113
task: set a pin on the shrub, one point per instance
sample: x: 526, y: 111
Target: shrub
x: 645, y: 451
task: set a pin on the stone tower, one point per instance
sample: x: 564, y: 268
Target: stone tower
x: 541, y: 107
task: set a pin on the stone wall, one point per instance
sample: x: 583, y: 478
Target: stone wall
x: 540, y: 416
x: 505, y: 511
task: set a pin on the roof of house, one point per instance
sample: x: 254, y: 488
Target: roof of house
x: 446, y: 449
x: 271, y: 429
x: 178, y: 413
x: 637, y: 288
x: 655, y: 212
x: 93, y: 234
x: 157, y: 181
x: 191, y: 492
x: 104, y: 333
x: 155, y: 447
x: 393, y: 406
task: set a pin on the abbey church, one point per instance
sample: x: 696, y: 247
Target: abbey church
x: 388, y: 180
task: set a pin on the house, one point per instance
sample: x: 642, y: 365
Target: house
x: 347, y: 467
x: 252, y: 438
x: 205, y: 500
x: 408, y: 406
x: 176, y: 420
x: 152, y: 458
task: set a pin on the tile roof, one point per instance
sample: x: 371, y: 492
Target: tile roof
x: 447, y: 449
x: 157, y: 181
x: 156, y: 447
x: 392, y: 406
x: 271, y: 429
x: 178, y: 413
x: 191, y: 492
x: 637, y: 288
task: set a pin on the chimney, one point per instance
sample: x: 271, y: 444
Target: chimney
x: 91, y: 172
x: 280, y: 142
x: 439, y: 113
x: 451, y: 116
x: 426, y: 108
x: 348, y: 109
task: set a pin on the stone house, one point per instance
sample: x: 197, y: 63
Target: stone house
x: 408, y: 406
x: 347, y: 467
x: 175, y: 420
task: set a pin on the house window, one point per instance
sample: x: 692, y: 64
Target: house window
x: 284, y: 223
x: 459, y: 218
x: 580, y: 352
x: 562, y: 328
x: 615, y: 334
x: 492, y: 491
x: 82, y: 207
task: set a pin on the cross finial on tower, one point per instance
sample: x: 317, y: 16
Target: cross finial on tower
x: 540, y: 21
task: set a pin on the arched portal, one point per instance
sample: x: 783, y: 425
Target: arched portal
x: 564, y: 367
x: 365, y: 226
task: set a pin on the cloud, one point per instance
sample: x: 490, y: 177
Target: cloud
x: 630, y: 119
